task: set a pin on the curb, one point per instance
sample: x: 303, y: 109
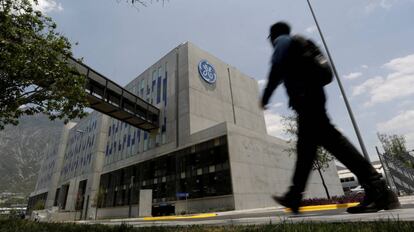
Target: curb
x: 323, y: 207
x: 205, y: 215
x: 244, y: 211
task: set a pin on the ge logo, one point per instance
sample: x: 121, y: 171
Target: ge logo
x: 207, y: 71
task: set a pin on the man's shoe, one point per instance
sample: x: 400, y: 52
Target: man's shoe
x: 377, y: 197
x: 289, y: 201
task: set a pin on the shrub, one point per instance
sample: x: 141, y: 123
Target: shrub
x: 334, y: 200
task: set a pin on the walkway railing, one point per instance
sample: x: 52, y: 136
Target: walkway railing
x: 113, y: 100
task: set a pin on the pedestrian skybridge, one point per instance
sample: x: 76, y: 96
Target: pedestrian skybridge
x: 113, y: 100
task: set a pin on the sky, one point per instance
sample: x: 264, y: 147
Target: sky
x: 371, y: 42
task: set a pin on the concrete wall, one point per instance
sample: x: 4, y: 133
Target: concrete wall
x: 117, y: 212
x: 270, y: 170
x: 94, y: 176
x: 233, y: 98
x: 145, y: 203
x: 330, y: 175
x: 209, y: 204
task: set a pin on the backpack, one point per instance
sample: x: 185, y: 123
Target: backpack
x: 313, y: 61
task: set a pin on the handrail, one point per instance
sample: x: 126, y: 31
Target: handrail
x: 110, y: 93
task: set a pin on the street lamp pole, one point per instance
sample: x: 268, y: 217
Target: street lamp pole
x: 348, y: 107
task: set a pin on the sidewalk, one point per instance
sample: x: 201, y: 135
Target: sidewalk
x: 404, y: 201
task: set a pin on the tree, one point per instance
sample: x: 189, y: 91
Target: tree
x: 34, y: 75
x: 141, y: 3
x: 323, y: 157
x: 40, y: 205
x: 395, y: 145
x: 98, y: 200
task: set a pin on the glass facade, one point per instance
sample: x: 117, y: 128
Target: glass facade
x: 201, y: 170
x: 81, y: 143
x: 124, y: 140
x: 48, y: 167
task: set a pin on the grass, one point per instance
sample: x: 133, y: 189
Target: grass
x: 388, y: 226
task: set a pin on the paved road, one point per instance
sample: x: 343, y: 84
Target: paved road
x: 266, y: 216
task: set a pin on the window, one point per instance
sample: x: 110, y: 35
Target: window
x: 159, y: 90
x: 164, y: 89
x: 182, y: 171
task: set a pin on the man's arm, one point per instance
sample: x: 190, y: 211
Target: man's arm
x: 276, y: 73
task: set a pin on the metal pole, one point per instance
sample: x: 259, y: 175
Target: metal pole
x: 385, y: 168
x: 131, y: 185
x: 348, y: 107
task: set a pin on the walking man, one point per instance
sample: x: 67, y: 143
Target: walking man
x: 297, y: 63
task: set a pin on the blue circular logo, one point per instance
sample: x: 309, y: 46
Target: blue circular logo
x: 207, y: 71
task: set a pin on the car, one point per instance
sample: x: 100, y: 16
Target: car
x: 358, y: 189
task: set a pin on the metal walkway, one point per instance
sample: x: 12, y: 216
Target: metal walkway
x: 113, y: 100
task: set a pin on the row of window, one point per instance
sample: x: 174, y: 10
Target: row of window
x: 347, y: 179
x: 78, y: 156
x: 125, y: 141
x: 201, y: 171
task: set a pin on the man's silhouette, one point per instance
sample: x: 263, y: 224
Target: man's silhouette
x: 307, y: 98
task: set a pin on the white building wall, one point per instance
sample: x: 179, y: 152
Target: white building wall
x: 261, y: 167
x: 232, y: 99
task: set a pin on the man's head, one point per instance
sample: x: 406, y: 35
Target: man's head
x: 277, y: 29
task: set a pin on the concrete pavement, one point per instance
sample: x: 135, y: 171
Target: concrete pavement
x: 269, y: 215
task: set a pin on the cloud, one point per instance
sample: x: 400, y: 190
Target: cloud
x: 367, y: 86
x: 274, y: 124
x: 276, y: 105
x: 398, y: 84
x: 382, y: 4
x: 46, y: 6
x: 402, y: 124
x: 353, y: 75
x: 262, y: 84
x: 364, y: 66
x: 402, y: 64
x: 311, y: 29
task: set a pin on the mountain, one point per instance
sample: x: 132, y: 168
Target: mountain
x: 22, y: 149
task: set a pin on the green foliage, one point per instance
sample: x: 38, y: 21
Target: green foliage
x: 40, y: 205
x: 323, y: 157
x: 34, y: 75
x: 99, y: 198
x: 377, y: 226
x: 395, y: 145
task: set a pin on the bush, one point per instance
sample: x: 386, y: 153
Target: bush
x: 334, y: 200
x: 40, y: 205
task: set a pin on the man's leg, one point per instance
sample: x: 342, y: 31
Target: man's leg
x: 347, y: 154
x: 377, y: 194
x: 306, y: 153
